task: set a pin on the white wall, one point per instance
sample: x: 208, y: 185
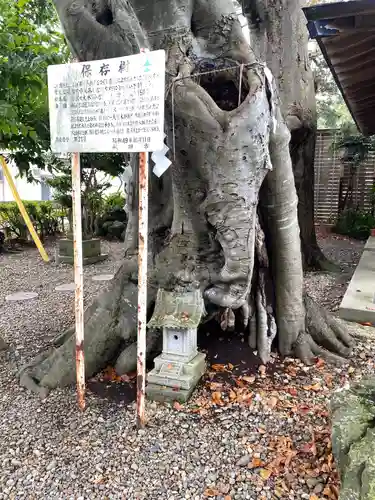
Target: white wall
x: 26, y: 190
x: 116, y: 184
x: 33, y: 191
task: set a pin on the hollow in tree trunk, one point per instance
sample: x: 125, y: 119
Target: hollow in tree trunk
x: 224, y: 217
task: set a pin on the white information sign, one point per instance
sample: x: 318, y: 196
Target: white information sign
x: 111, y: 105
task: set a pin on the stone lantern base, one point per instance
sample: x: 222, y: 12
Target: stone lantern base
x: 172, y: 380
x: 90, y: 250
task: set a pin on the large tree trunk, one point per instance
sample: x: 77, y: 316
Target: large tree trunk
x: 278, y: 30
x: 224, y: 218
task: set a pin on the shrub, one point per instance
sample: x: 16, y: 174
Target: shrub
x: 11, y: 220
x: 114, y: 200
x: 45, y: 217
x: 112, y: 224
x: 355, y: 223
x: 43, y: 214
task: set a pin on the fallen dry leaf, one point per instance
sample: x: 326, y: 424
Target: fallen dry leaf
x: 244, y: 397
x: 227, y: 497
x: 110, y: 375
x: 328, y: 379
x: 210, y: 492
x: 331, y: 491
x: 218, y: 368
x: 290, y: 454
x: 313, y: 497
x: 99, y: 480
x: 319, y: 362
x: 309, y: 448
x: 335, y: 491
x: 272, y: 402
x: 278, y: 492
x: 265, y: 473
x: 262, y: 370
x: 304, y: 409
x: 177, y: 406
x: 315, y: 387
x: 239, y: 383
x: 292, y: 370
x: 216, y: 397
x: 255, y: 462
x: 230, y: 366
x: 232, y: 395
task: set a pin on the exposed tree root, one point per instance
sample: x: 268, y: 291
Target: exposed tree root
x: 324, y: 337
x: 110, y: 327
x: 315, y: 260
x: 262, y: 325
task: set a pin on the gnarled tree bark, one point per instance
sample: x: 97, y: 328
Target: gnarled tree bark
x: 270, y: 22
x: 224, y: 217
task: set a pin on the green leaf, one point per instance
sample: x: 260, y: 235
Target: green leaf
x: 33, y: 135
x: 29, y: 42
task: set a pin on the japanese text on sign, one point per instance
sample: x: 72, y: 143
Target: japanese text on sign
x: 112, y: 105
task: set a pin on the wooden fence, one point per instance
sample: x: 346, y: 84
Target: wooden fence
x: 329, y: 171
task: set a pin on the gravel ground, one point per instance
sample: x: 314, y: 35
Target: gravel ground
x: 328, y: 289
x: 52, y: 311
x: 257, y: 436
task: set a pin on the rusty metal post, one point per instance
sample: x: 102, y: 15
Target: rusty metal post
x: 142, y: 286
x: 78, y: 278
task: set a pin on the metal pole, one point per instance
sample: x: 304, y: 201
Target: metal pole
x: 22, y: 209
x: 78, y: 279
x: 142, y: 286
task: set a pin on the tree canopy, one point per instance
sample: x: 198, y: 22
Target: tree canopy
x: 332, y: 111
x: 30, y: 40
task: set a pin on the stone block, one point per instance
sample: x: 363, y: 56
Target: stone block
x: 358, y: 302
x: 172, y: 380
x: 370, y: 244
x: 353, y: 439
x: 166, y: 394
x: 90, y: 248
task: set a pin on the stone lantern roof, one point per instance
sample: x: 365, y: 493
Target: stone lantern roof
x: 175, y: 309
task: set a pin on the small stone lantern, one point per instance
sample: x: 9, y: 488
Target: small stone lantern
x: 180, y: 366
